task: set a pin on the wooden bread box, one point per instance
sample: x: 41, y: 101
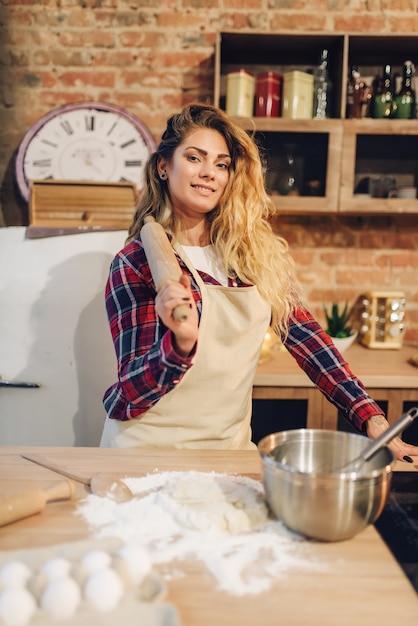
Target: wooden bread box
x: 80, y: 206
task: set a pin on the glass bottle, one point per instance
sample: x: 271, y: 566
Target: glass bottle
x: 358, y: 94
x: 322, y: 88
x: 288, y: 183
x: 382, y: 103
x: 405, y: 100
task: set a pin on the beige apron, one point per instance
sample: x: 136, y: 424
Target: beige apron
x: 211, y: 405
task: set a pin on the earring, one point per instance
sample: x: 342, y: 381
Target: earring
x: 163, y: 175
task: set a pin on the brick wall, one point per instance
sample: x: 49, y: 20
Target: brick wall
x: 152, y: 57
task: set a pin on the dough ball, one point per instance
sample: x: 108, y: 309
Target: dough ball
x: 133, y: 563
x: 104, y: 589
x: 61, y: 598
x: 17, y: 606
x: 216, y: 502
x: 56, y: 567
x: 14, y: 574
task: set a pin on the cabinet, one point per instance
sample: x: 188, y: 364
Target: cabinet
x: 387, y: 375
x: 338, y: 155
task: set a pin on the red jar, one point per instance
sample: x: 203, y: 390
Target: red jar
x: 268, y: 94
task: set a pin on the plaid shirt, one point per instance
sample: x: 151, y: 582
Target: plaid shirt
x: 149, y: 367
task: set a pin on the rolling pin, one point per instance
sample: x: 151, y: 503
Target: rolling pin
x: 31, y: 501
x: 161, y: 260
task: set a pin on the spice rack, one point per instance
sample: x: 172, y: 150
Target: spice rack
x: 338, y: 154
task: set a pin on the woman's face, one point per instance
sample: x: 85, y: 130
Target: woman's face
x: 198, y: 173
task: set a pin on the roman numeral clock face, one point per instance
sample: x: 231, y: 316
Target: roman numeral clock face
x: 88, y: 141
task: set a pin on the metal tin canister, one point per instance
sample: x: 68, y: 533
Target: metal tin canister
x: 297, y: 95
x: 268, y: 94
x: 240, y: 91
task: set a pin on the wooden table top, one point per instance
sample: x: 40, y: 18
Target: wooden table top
x: 362, y: 583
x: 379, y: 369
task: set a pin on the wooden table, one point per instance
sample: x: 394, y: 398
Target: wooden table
x: 386, y: 374
x: 362, y: 584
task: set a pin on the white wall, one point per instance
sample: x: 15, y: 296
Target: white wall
x: 54, y: 331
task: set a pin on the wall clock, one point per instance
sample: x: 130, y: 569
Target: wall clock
x: 92, y: 141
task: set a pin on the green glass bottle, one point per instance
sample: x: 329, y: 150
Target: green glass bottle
x: 382, y: 103
x: 405, y: 99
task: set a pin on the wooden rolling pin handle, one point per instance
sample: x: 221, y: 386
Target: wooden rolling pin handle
x: 162, y: 260
x: 32, y: 501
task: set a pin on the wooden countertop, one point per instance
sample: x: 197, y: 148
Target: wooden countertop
x: 362, y: 583
x: 384, y: 369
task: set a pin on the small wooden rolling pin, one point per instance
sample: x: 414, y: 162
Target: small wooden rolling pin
x: 162, y: 260
x: 31, y: 501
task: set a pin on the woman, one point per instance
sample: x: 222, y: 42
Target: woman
x: 189, y: 384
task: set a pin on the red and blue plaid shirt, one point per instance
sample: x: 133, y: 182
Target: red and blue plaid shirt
x: 149, y: 367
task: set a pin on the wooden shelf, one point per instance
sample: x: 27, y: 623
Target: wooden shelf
x: 344, y: 160
x: 304, y: 131
x: 391, y: 148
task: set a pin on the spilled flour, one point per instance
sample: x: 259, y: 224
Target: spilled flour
x: 218, y: 519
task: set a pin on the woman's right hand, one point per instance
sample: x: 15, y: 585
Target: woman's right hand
x: 171, y: 295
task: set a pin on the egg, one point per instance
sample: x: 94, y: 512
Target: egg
x: 17, y: 606
x: 61, y: 597
x: 104, y: 589
x: 14, y: 574
x: 133, y: 563
x: 95, y: 560
x: 56, y: 567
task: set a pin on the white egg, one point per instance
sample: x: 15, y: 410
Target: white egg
x: 56, y: 567
x: 14, y: 574
x: 17, y: 606
x: 95, y: 560
x: 104, y: 589
x: 133, y: 563
x: 61, y: 598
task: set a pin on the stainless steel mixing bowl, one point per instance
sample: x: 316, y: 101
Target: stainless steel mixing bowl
x: 305, y: 488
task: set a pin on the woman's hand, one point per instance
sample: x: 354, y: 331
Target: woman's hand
x: 377, y: 425
x: 171, y: 295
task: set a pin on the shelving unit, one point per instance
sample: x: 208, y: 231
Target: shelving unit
x: 321, y: 139
x: 341, y: 154
x: 378, y: 148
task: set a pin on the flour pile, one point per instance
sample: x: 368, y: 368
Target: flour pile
x: 219, y: 519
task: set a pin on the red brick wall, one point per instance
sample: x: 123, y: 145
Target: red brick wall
x: 341, y: 258
x: 152, y: 57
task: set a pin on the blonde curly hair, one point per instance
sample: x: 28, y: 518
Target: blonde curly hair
x: 240, y: 230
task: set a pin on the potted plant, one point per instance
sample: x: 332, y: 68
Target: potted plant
x: 338, y: 326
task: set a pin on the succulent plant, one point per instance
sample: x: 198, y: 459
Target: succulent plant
x: 337, y: 321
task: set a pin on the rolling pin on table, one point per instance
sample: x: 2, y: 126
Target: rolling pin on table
x: 27, y: 502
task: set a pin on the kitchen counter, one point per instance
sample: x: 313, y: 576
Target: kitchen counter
x: 360, y: 584
x: 386, y: 374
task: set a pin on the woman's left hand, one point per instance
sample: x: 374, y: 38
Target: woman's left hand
x: 377, y: 425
